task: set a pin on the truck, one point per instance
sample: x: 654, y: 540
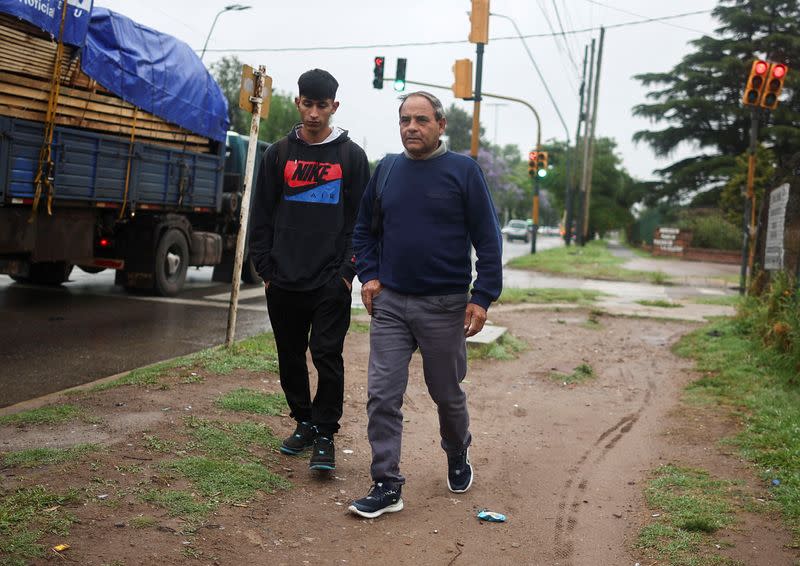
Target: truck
x: 114, y: 152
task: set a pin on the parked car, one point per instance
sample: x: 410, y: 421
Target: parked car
x: 516, y: 230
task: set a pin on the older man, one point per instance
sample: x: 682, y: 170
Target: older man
x: 420, y: 214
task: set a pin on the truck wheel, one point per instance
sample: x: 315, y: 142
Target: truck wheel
x: 172, y: 260
x: 249, y: 273
x: 48, y: 273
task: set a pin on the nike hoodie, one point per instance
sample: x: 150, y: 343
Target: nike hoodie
x: 303, y: 213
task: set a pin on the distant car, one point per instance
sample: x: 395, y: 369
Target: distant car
x: 516, y: 230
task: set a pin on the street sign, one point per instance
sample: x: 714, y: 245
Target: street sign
x: 246, y: 91
x: 773, y: 253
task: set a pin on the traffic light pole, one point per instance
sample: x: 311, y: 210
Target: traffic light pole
x: 535, y: 207
x: 749, y: 219
x: 476, y: 112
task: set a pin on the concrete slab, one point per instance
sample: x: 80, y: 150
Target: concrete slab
x: 489, y: 334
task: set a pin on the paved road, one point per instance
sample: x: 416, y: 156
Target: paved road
x: 54, y: 338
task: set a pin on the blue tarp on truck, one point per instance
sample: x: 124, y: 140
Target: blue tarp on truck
x: 148, y: 68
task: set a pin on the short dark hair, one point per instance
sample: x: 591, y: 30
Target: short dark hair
x: 317, y: 85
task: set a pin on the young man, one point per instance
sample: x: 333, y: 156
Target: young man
x: 306, y: 200
x: 414, y: 263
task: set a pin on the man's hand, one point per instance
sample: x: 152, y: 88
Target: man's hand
x: 347, y: 284
x: 474, y: 319
x: 370, y: 290
x: 266, y: 284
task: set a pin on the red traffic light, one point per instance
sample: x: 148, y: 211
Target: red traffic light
x: 532, y: 156
x: 379, y: 61
x: 778, y: 71
x: 760, y: 67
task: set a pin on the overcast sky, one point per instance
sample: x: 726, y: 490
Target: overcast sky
x: 371, y: 115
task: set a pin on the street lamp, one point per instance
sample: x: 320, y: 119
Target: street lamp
x: 231, y: 8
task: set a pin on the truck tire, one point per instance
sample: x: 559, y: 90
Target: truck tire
x: 47, y: 273
x: 91, y: 269
x: 171, y: 262
x: 249, y: 273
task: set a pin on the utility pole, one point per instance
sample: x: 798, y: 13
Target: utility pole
x: 595, y: 98
x: 572, y: 181
x: 584, y: 173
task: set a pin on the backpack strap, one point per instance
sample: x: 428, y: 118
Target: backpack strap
x: 376, y: 227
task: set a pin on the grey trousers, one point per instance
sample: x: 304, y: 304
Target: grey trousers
x: 401, y: 324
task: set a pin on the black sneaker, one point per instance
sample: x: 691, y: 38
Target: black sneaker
x: 382, y: 498
x: 459, y: 472
x: 302, y: 438
x: 323, y: 455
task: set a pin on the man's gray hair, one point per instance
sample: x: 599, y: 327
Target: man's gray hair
x: 438, y: 109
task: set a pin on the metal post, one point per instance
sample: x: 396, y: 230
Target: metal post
x: 476, y: 111
x: 256, y: 99
x: 535, y: 207
x: 748, y: 228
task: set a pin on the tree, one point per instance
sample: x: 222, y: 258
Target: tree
x: 700, y: 102
x: 282, y: 112
x: 614, y: 191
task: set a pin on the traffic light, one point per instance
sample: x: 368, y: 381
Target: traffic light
x: 541, y: 164
x: 755, y: 83
x: 479, y: 22
x: 400, y: 76
x: 462, y: 71
x: 377, y: 82
x: 533, y: 158
x: 776, y: 76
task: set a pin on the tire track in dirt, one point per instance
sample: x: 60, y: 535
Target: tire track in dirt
x: 578, y: 475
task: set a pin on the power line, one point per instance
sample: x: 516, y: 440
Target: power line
x: 564, y: 36
x: 602, y: 5
x: 455, y: 41
x: 558, y: 44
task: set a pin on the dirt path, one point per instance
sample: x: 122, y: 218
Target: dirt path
x: 566, y: 463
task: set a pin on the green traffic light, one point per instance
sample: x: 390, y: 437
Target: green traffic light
x: 542, y: 173
x: 399, y: 86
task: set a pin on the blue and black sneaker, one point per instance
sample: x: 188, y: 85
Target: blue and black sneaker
x: 302, y: 438
x: 323, y: 454
x: 459, y: 472
x: 382, y: 498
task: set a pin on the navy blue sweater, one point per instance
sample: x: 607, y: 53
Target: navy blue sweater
x: 432, y: 211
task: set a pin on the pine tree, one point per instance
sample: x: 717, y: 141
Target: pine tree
x: 700, y: 102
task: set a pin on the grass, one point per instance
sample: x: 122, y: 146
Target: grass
x: 726, y: 300
x: 227, y: 481
x: 143, y: 522
x: 224, y: 440
x: 592, y: 261
x: 661, y: 303
x: 253, y: 402
x: 28, y: 514
x: 548, y: 295
x: 53, y: 414
x: 35, y: 457
x: 507, y: 347
x: 359, y: 327
x: 691, y: 507
x: 580, y: 374
x: 750, y: 380
x: 257, y: 354
x: 178, y: 503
